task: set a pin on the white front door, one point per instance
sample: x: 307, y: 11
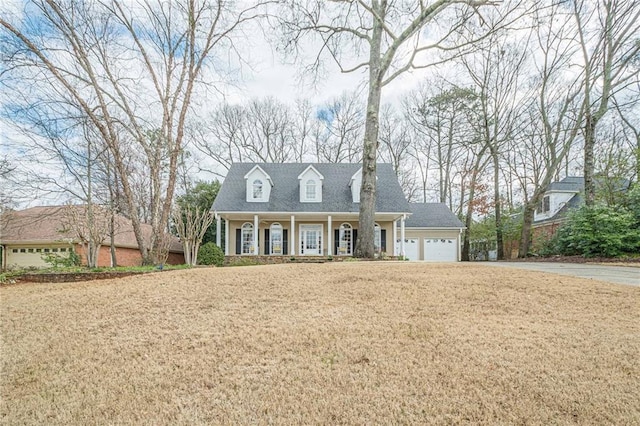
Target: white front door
x: 311, y: 240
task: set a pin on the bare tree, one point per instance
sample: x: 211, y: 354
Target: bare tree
x: 395, y: 148
x: 554, y: 114
x: 89, y: 224
x: 263, y: 130
x: 114, y: 60
x: 385, y: 38
x: 191, y: 224
x: 444, y: 114
x: 627, y: 105
x: 340, y: 124
x: 608, y: 39
x: 496, y: 69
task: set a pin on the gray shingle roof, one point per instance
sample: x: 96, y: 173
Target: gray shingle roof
x: 285, y: 193
x: 432, y: 215
x: 576, y: 184
x: 569, y: 183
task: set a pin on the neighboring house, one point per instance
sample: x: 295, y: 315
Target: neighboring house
x: 433, y: 233
x: 304, y: 209
x: 26, y: 236
x: 562, y: 196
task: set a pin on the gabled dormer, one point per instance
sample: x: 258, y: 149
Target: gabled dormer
x: 258, y: 185
x: 310, y: 185
x: 558, y: 195
x: 355, y: 183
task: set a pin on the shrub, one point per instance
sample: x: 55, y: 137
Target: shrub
x: 599, y: 231
x: 59, y: 261
x: 210, y: 254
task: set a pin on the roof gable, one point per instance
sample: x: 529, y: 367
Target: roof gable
x: 260, y: 170
x: 308, y: 170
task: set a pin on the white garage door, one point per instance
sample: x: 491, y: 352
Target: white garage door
x: 440, y: 249
x: 410, y: 248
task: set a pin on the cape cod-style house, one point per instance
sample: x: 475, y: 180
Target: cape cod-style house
x: 311, y: 209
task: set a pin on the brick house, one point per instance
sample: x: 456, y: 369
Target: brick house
x: 562, y: 196
x: 26, y: 236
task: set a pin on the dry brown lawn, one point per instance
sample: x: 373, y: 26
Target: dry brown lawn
x: 350, y: 343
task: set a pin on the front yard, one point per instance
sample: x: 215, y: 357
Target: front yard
x: 347, y: 343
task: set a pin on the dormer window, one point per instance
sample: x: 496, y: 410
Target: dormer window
x: 355, y: 183
x: 311, y: 189
x: 257, y: 189
x: 310, y: 185
x: 258, y: 185
x: 544, y: 205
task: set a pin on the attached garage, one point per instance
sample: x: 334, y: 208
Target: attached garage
x: 432, y: 233
x: 440, y: 249
x: 411, y: 248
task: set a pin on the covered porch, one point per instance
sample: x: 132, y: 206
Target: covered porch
x: 304, y: 234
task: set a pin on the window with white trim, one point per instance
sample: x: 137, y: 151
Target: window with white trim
x: 345, y: 246
x: 377, y: 238
x: 247, y: 238
x: 257, y: 189
x: 275, y: 235
x: 311, y: 190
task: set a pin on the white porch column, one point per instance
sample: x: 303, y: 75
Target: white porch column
x: 395, y: 236
x: 404, y: 217
x: 329, y: 232
x: 218, y: 230
x: 256, y: 231
x: 292, y: 243
x: 226, y: 237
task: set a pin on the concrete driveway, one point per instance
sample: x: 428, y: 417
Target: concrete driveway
x: 614, y: 274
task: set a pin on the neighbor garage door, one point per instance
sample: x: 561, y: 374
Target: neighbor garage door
x: 440, y: 249
x: 411, y: 247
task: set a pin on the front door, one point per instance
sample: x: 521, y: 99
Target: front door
x: 311, y: 240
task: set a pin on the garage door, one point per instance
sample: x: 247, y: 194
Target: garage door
x: 410, y: 248
x: 440, y: 249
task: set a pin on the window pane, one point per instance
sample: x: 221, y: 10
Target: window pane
x: 247, y: 238
x: 275, y: 237
x: 257, y: 189
x: 311, y: 189
x: 345, y: 245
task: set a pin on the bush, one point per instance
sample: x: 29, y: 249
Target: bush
x: 58, y: 261
x: 599, y: 231
x: 210, y: 254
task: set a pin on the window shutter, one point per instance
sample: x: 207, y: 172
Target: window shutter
x: 336, y: 241
x: 285, y: 242
x: 354, y: 242
x: 238, y: 241
x: 383, y: 240
x: 267, y: 243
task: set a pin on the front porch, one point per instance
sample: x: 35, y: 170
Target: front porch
x: 314, y: 235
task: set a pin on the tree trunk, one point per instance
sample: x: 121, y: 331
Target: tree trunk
x: 589, y: 143
x: 112, y: 236
x: 466, y: 243
x: 496, y: 187
x: 525, y: 236
x: 366, y: 223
